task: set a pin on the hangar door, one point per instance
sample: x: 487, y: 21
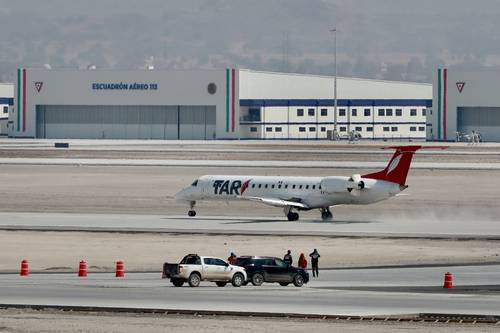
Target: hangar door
x: 485, y: 120
x: 125, y: 122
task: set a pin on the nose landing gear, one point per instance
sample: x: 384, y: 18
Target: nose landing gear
x: 191, y: 211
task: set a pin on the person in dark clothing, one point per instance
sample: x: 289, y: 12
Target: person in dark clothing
x: 288, y: 258
x: 314, y: 262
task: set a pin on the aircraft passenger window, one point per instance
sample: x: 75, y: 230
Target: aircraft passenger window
x: 286, y: 186
x: 320, y: 187
x: 314, y: 187
x: 195, y: 183
x: 260, y: 185
x: 253, y: 185
x: 279, y: 186
x: 265, y: 186
x: 293, y: 186
x: 307, y: 187
x: 300, y: 186
x: 272, y: 186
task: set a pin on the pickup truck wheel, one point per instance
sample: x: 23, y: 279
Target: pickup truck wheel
x: 194, y: 280
x: 237, y: 280
x: 257, y: 279
x: 284, y: 284
x: 177, y: 282
x: 298, y: 280
x: 220, y: 284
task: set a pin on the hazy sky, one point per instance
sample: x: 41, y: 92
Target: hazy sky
x: 390, y: 39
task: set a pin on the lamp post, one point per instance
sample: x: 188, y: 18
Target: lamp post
x: 335, y: 132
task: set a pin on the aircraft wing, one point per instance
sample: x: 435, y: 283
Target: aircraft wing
x: 275, y: 202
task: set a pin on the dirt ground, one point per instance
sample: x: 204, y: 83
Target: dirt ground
x: 27, y: 321
x: 62, y: 251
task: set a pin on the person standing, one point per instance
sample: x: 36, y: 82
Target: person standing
x: 302, y: 261
x: 232, y: 259
x: 288, y: 258
x: 314, y: 262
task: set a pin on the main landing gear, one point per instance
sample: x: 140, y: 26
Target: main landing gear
x: 290, y: 215
x: 326, y: 214
x: 192, y: 212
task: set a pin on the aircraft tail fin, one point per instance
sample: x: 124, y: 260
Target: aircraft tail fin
x: 397, y: 169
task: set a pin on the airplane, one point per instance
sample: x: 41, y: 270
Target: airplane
x: 295, y: 194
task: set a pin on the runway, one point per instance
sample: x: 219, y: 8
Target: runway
x: 344, y: 292
x: 377, y: 226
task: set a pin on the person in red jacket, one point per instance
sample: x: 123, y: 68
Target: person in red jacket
x: 302, y: 261
x: 232, y: 259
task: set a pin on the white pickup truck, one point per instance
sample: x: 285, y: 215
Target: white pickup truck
x: 194, y: 268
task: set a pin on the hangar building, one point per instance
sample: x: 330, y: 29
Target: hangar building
x: 465, y: 101
x: 212, y: 104
x: 6, y: 102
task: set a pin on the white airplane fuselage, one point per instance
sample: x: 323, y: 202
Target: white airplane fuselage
x: 310, y: 191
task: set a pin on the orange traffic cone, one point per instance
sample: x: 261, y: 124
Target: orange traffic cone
x: 448, y: 281
x: 120, y: 269
x: 24, y: 268
x: 82, y: 271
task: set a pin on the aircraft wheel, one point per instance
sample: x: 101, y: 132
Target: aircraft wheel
x: 292, y: 216
x: 192, y: 213
x: 326, y: 216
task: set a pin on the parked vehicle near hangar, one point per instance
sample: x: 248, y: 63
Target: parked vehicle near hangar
x: 194, y: 268
x: 272, y: 269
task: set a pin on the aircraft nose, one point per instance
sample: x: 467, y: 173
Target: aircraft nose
x: 182, y: 195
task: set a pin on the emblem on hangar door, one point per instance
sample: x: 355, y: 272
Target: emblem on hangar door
x: 38, y: 86
x: 212, y: 88
x: 460, y: 86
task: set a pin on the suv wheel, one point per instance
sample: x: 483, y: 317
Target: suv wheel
x: 220, y: 284
x: 284, y: 284
x: 194, y: 280
x: 237, y: 280
x: 177, y: 282
x: 257, y: 279
x: 298, y: 280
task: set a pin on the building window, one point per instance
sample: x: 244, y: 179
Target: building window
x: 413, y: 128
x: 367, y: 112
x: 253, y: 114
x: 394, y: 129
x: 342, y: 112
x: 324, y: 112
x: 413, y: 112
x: 302, y: 129
x: 277, y: 129
x: 424, y: 112
x: 300, y: 112
x: 310, y: 112
x: 269, y: 129
x: 421, y: 128
x: 253, y: 129
x: 399, y: 112
x: 388, y: 112
x: 5, y: 109
x: 386, y: 128
x: 354, y: 112
x: 323, y: 129
x: 358, y: 129
x: 312, y: 129
x: 381, y: 112
x: 369, y: 129
x: 343, y: 128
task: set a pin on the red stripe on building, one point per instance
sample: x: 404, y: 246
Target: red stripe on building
x: 233, y: 74
x: 445, y: 72
x: 24, y: 100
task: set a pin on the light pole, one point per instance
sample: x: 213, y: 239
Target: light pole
x: 335, y: 132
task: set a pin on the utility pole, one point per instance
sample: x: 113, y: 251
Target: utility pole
x: 335, y: 131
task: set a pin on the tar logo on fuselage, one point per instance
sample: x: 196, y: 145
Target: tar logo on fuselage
x: 230, y: 187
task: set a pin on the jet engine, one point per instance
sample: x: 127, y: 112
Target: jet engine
x: 353, y: 184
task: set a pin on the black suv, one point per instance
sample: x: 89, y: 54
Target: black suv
x: 271, y: 269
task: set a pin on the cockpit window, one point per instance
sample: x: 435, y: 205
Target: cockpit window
x: 195, y: 183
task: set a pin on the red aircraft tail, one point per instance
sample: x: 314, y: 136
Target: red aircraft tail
x: 397, y: 169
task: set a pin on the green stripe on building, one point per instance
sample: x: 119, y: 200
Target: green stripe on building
x: 18, y: 99
x: 439, y: 105
x: 227, y: 98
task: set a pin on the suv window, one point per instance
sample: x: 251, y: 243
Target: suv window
x: 280, y: 263
x: 191, y: 260
x: 243, y: 261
